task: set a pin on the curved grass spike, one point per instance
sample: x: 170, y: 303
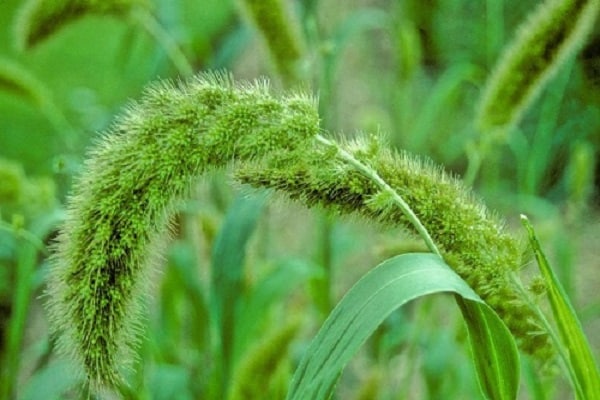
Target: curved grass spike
x: 38, y: 19
x: 554, y: 32
x: 120, y: 207
x: 284, y: 43
x: 471, y: 239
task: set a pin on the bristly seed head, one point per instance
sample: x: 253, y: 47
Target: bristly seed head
x: 119, y: 210
x: 472, y: 240
x: 554, y: 32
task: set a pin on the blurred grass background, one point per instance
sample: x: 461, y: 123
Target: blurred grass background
x: 246, y: 284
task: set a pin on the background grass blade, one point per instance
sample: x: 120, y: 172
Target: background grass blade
x: 287, y: 277
x: 581, y: 364
x: 387, y: 287
x: 30, y: 243
x: 228, y: 258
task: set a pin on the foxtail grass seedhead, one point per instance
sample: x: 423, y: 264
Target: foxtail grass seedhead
x: 280, y: 35
x: 472, y: 240
x: 119, y: 209
x: 553, y: 33
x: 39, y: 19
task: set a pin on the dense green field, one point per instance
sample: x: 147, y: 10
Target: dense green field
x: 191, y: 239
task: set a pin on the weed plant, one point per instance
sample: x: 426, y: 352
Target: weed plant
x: 217, y: 238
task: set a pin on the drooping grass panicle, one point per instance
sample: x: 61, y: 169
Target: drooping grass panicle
x: 120, y: 207
x: 38, y: 19
x: 471, y: 239
x: 553, y: 33
x: 272, y: 20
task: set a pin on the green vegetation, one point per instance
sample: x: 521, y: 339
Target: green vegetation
x: 147, y: 250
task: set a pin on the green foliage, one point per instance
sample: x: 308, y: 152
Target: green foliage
x: 21, y: 195
x: 14, y: 79
x: 385, y: 288
x: 227, y: 273
x: 29, y: 227
x: 265, y: 359
x: 583, y: 370
x: 224, y: 314
x: 579, y: 177
x: 12, y: 177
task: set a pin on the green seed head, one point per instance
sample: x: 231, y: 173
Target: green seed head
x: 553, y: 33
x: 472, y: 240
x: 119, y: 210
x: 272, y: 21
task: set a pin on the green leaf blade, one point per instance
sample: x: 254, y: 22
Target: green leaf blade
x: 582, y: 368
x: 390, y: 285
x: 495, y: 353
x: 227, y: 271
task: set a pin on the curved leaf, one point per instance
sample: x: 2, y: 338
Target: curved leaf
x: 390, y: 285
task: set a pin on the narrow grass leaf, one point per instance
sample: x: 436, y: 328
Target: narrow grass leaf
x: 288, y: 276
x: 443, y: 94
x: 183, y: 301
x: 583, y: 369
x: 390, y: 285
x: 28, y: 251
x: 228, y: 258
